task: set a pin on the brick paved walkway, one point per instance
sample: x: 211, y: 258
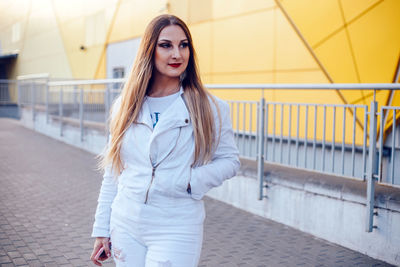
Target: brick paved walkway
x: 48, y: 194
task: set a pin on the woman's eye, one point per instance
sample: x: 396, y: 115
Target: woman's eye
x: 184, y: 45
x: 164, y: 45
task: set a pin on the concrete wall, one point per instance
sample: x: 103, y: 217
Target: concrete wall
x: 94, y: 140
x: 326, y: 206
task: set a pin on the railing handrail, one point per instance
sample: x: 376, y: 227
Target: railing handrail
x: 86, y: 82
x: 301, y: 86
x: 309, y: 86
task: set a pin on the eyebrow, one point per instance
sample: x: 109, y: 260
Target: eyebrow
x: 166, y: 40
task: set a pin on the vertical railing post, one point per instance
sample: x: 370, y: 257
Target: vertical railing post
x: 106, y: 107
x: 19, y: 98
x: 47, y: 100
x: 33, y: 96
x: 75, y: 98
x: 81, y: 113
x: 260, y: 156
x: 60, y: 111
x: 371, y: 169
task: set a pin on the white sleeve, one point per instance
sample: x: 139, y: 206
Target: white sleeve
x: 108, y: 191
x: 225, y: 162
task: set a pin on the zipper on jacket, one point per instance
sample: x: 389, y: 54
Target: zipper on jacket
x: 151, y: 181
x: 155, y: 166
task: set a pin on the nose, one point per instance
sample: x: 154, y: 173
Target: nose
x: 176, y: 53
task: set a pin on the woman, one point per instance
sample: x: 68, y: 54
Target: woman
x: 170, y: 143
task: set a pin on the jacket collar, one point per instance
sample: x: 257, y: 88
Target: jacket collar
x: 176, y: 115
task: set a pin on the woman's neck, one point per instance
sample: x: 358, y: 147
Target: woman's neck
x: 163, y: 86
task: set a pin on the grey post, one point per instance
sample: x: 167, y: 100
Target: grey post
x: 33, y: 96
x: 19, y: 98
x: 60, y: 111
x: 107, y: 105
x: 75, y: 98
x: 47, y: 100
x: 260, y: 156
x: 81, y: 113
x: 371, y: 168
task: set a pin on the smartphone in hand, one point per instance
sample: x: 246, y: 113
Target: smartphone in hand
x: 101, y: 254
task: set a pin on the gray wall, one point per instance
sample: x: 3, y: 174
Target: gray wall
x: 121, y: 54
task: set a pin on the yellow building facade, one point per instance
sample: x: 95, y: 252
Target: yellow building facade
x: 237, y: 41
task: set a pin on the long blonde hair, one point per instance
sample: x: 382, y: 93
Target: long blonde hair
x: 135, y: 89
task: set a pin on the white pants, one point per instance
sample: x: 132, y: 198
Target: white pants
x: 157, y: 234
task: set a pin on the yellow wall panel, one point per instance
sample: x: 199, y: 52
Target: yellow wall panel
x: 308, y: 96
x: 335, y: 55
x: 16, y: 10
x: 238, y: 110
x: 101, y: 72
x: 41, y: 20
x: 316, y: 76
x: 133, y: 17
x: 224, y: 8
x: 41, y: 45
x: 291, y: 53
x: 123, y: 27
x: 396, y: 99
x: 145, y: 11
x: 179, y: 8
x: 381, y: 97
x: 74, y: 34
x: 6, y: 4
x: 376, y: 42
x: 326, y: 97
x: 353, y: 96
x: 315, y: 19
x: 55, y: 64
x: 301, y: 126
x: 238, y: 94
x: 78, y: 9
x: 84, y: 65
x: 240, y: 77
x: 206, y: 78
x: 68, y: 10
x: 244, y: 44
x: 199, y: 10
x: 8, y: 45
x: 354, y: 8
x: 94, y: 6
x: 202, y: 39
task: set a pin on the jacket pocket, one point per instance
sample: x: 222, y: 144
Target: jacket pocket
x: 183, y: 181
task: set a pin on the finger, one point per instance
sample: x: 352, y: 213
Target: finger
x: 106, y: 246
x: 97, y: 245
x: 92, y: 258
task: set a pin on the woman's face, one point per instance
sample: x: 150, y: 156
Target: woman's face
x: 172, y: 52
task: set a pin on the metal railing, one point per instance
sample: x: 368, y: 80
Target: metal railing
x: 8, y: 92
x: 389, y: 151
x: 330, y: 138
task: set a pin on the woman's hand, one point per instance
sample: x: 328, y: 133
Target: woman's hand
x: 98, y: 244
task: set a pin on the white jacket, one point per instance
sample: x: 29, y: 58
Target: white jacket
x: 159, y: 161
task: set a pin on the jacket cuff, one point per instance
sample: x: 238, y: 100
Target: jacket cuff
x: 100, y: 232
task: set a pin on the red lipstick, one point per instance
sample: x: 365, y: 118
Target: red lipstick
x: 175, y: 65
